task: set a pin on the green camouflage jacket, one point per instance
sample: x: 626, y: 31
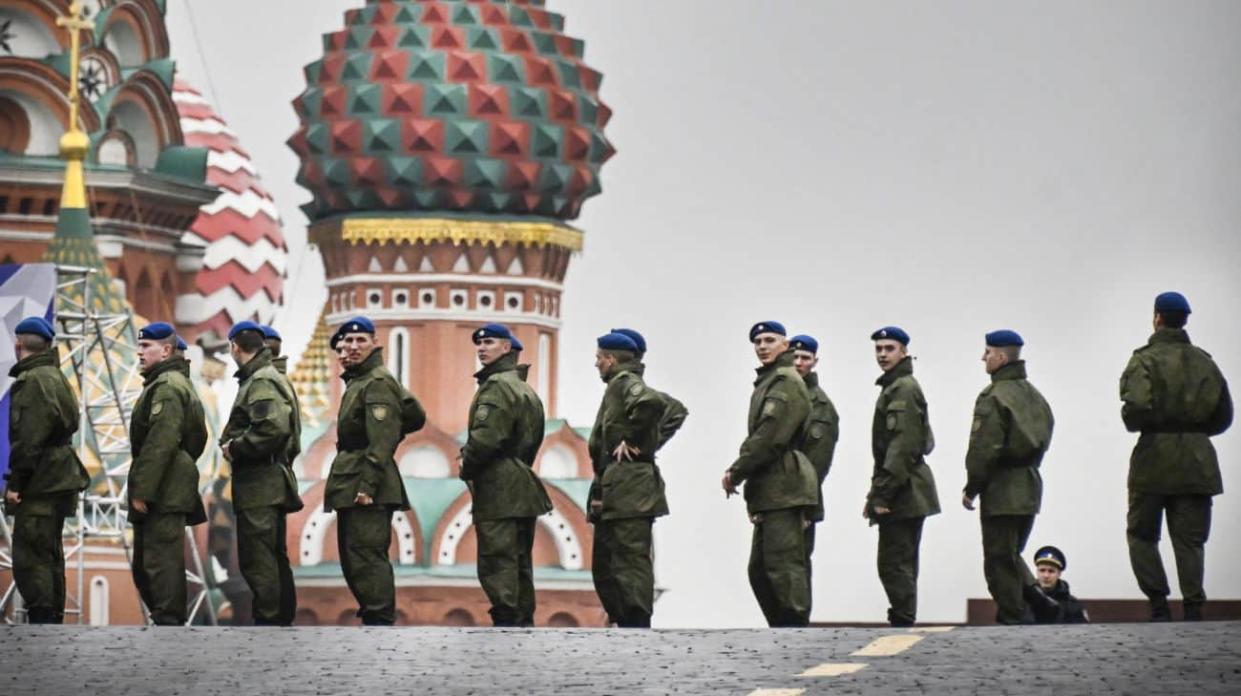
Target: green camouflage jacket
x: 1011, y: 433
x: 261, y: 428
x: 822, y: 433
x: 901, y: 438
x: 43, y: 416
x: 168, y: 433
x: 632, y: 412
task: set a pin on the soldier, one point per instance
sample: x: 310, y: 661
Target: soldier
x: 259, y: 441
x: 630, y: 491
x: 168, y: 432
x: 781, y: 488
x: 505, y: 433
x: 45, y: 475
x: 1011, y: 433
x: 823, y: 429
x: 1064, y: 607
x: 274, y: 343
x: 902, y: 489
x: 364, y: 486
x: 1173, y: 394
x: 271, y: 339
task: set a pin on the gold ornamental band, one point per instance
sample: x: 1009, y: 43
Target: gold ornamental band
x: 411, y: 230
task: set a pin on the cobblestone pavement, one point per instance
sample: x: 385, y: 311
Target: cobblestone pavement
x: 1160, y: 659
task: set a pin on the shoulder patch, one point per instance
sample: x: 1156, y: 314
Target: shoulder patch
x: 261, y: 409
x: 482, y: 413
x: 896, y: 404
x: 379, y: 411
x: 157, y: 408
x: 635, y: 389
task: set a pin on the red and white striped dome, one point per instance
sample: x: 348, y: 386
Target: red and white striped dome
x: 243, y: 271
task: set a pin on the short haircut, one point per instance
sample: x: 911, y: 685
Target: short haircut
x: 34, y: 343
x: 273, y: 344
x: 620, y: 355
x: 1013, y: 353
x: 249, y: 341
x: 1175, y: 320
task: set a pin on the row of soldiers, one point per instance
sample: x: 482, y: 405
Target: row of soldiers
x: 1173, y: 394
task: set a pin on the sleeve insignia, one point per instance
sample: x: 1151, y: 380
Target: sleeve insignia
x: 159, y: 406
x: 481, y: 414
x: 262, y: 409
x: 379, y: 412
x: 769, y: 407
x: 818, y: 430
x: 636, y: 389
x: 891, y: 421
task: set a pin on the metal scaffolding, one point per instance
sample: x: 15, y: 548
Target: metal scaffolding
x: 99, y: 348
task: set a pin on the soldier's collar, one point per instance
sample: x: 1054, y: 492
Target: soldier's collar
x: 372, y: 361
x: 784, y: 359
x: 628, y: 366
x: 507, y: 362
x: 1167, y: 335
x: 47, y: 357
x: 260, y: 360
x: 172, y: 363
x: 902, y: 368
x: 1013, y: 370
x: 811, y: 379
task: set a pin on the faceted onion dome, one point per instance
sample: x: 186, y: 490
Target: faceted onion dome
x: 242, y: 276
x: 449, y: 105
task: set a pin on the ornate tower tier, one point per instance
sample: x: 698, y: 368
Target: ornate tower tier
x: 428, y: 282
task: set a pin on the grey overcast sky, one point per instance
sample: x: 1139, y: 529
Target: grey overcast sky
x: 951, y: 167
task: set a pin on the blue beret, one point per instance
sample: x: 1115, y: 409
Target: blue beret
x: 767, y: 327
x: 358, y: 325
x: 1051, y: 554
x: 891, y: 333
x: 243, y: 326
x: 496, y: 331
x: 1004, y: 337
x: 269, y: 332
x: 1171, y: 302
x: 634, y: 336
x: 804, y: 342
x: 37, y: 326
x: 157, y: 331
x: 181, y: 344
x: 617, y: 341
x: 335, y: 339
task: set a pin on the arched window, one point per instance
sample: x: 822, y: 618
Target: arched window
x: 398, y: 354
x: 425, y: 462
x: 562, y: 619
x: 458, y: 617
x: 99, y: 600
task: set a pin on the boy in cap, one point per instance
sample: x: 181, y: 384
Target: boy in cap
x: 1050, y: 562
x: 1011, y: 433
x: 45, y: 475
x: 1177, y: 398
x: 781, y: 488
x: 505, y: 432
x: 902, y: 490
x: 167, y: 433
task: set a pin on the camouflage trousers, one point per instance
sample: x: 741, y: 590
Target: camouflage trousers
x: 779, y: 566
x: 1003, y: 541
x: 506, y: 570
x: 897, y: 562
x: 262, y: 551
x: 622, y: 569
x: 39, y: 563
x: 159, y: 566
x: 363, y: 534
x: 1189, y: 525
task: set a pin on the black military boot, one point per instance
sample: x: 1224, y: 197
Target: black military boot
x: 1044, y: 608
x: 1193, y: 612
x: 1159, y: 610
x: 40, y: 615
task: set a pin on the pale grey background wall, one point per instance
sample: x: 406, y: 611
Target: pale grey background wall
x: 951, y: 167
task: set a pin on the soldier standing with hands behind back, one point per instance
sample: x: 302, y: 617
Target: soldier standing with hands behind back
x: 781, y: 488
x: 168, y: 433
x: 902, y: 490
x: 1011, y: 433
x: 45, y: 475
x: 1176, y: 396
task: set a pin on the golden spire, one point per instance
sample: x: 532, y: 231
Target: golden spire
x: 74, y: 143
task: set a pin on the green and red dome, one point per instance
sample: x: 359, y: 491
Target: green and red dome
x: 478, y: 106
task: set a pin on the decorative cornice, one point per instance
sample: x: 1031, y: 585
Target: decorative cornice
x: 382, y: 230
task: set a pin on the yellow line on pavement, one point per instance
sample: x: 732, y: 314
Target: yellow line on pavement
x: 931, y: 629
x: 888, y: 645
x: 777, y: 692
x: 834, y: 669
